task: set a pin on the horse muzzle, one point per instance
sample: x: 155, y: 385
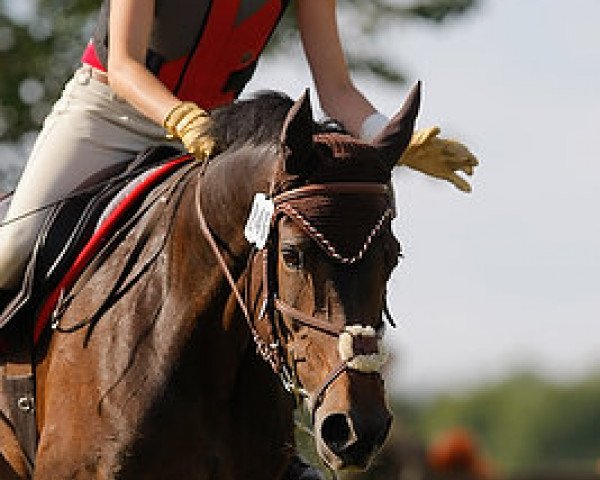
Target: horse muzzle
x: 349, y: 440
x: 350, y: 415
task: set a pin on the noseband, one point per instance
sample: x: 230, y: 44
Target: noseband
x: 359, y: 346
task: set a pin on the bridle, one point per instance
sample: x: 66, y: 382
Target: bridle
x: 273, y: 309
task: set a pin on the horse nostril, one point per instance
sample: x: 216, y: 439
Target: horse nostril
x: 354, y: 440
x: 336, y: 432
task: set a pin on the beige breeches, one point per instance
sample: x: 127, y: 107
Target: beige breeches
x: 89, y: 130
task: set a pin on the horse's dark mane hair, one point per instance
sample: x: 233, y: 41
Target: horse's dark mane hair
x: 258, y: 120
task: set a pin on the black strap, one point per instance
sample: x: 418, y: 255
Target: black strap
x: 119, y: 285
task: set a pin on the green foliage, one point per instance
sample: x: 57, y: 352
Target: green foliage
x: 37, y: 54
x: 40, y: 49
x: 523, y: 422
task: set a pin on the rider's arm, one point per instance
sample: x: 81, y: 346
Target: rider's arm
x: 338, y: 96
x: 341, y: 100
x: 130, y: 27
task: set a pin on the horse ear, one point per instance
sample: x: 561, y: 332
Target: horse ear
x: 394, y: 138
x: 297, y: 136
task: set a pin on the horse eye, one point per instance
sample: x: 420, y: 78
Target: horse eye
x: 292, y: 257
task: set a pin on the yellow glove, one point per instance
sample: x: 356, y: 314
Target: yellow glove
x: 189, y: 123
x: 439, y: 157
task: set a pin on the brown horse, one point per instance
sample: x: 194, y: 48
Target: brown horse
x: 171, y: 374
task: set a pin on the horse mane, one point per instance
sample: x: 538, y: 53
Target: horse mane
x: 258, y: 120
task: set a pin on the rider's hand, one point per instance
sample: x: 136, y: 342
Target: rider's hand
x: 439, y: 157
x: 189, y: 123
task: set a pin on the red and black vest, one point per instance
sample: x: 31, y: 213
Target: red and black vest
x: 203, y: 50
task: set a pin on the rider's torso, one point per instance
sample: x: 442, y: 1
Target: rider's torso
x: 202, y: 50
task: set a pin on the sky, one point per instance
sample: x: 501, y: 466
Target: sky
x: 508, y: 277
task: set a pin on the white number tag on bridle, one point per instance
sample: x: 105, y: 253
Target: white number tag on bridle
x: 259, y: 221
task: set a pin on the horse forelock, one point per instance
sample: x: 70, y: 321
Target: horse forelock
x: 344, y: 223
x: 343, y: 158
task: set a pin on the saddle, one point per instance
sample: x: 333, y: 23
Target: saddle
x: 63, y: 250
x: 69, y: 226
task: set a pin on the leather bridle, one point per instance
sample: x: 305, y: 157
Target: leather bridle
x: 272, y: 349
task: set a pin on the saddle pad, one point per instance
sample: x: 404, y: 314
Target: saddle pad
x: 100, y: 236
x: 122, y: 195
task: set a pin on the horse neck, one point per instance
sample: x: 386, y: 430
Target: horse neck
x: 228, y: 189
x: 198, y: 290
x: 223, y: 196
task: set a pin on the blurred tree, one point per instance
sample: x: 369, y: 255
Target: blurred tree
x: 524, y: 422
x: 41, y: 41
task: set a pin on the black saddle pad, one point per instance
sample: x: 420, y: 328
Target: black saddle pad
x: 67, y: 229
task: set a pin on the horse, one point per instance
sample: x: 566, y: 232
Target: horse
x: 186, y: 352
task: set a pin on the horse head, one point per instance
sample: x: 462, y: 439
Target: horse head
x: 163, y: 377
x: 317, y: 288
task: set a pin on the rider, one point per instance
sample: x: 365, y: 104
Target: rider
x: 165, y: 64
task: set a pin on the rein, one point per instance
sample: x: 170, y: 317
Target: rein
x: 271, y: 350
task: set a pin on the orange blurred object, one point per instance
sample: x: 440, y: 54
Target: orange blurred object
x: 456, y: 451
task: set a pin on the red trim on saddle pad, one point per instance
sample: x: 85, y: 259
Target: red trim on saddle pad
x: 98, y: 239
